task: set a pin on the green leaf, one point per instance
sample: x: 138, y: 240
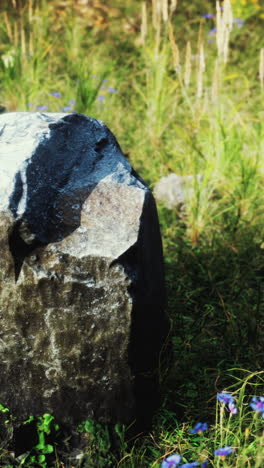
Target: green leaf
x: 3, y: 409
x: 29, y: 420
x: 48, y: 449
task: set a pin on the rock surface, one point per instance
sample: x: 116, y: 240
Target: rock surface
x: 174, y: 190
x: 81, y: 273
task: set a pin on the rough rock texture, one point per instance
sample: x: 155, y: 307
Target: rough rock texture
x: 81, y: 275
x: 174, y: 190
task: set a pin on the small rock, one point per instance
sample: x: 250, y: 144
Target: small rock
x: 174, y: 190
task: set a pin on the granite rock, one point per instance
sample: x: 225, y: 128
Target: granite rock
x: 81, y: 274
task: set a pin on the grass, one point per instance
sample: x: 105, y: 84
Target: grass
x: 177, y: 103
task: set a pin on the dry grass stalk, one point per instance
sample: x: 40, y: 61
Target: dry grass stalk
x: 161, y: 11
x: 154, y: 14
x: 261, y: 69
x: 165, y: 10
x: 227, y: 14
x: 173, y: 6
x: 215, y: 82
x: 157, y: 39
x: 30, y: 17
x: 22, y: 36
x: 144, y: 23
x: 200, y: 35
x: 174, y: 47
x: 8, y: 26
x: 219, y: 27
x: 224, y: 24
x: 188, y: 64
x: 201, y: 68
x: 15, y: 34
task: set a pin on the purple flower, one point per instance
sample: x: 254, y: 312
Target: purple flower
x: 101, y: 98
x: 66, y: 108
x: 112, y: 90
x: 189, y: 465
x: 72, y: 102
x: 42, y: 108
x: 225, y: 398
x: 257, y: 404
x: 204, y: 464
x: 208, y: 15
x: 199, y: 427
x: 29, y: 104
x: 238, y: 21
x: 228, y: 400
x: 171, y: 461
x: 224, y: 451
x: 56, y: 94
x: 232, y: 408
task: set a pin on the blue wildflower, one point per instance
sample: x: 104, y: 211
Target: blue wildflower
x: 101, y: 98
x: 239, y: 22
x: 189, y: 465
x: 42, y: 108
x: 228, y: 400
x: 208, y: 15
x: 199, y: 427
x: 171, y: 461
x: 72, y: 102
x: 112, y: 90
x: 257, y: 404
x: 56, y: 94
x: 223, y: 451
x: 212, y: 32
x: 66, y: 108
x: 204, y: 464
x: 225, y: 398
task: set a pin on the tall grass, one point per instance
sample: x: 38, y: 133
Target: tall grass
x: 183, y: 97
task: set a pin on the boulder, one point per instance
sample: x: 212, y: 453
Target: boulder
x: 175, y: 191
x: 81, y: 274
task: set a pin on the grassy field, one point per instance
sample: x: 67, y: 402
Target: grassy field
x: 181, y: 86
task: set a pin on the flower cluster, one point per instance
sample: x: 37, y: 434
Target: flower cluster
x: 57, y: 95
x: 229, y: 401
x: 238, y: 22
x: 257, y: 404
x: 104, y: 89
x: 71, y: 103
x: 174, y: 461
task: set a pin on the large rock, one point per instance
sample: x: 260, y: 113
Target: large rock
x: 82, y: 288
